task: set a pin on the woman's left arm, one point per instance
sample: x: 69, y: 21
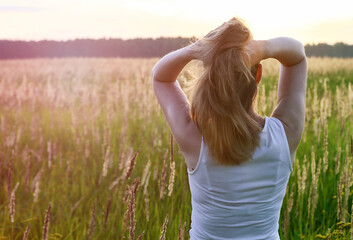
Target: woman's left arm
x: 168, y: 68
x: 173, y: 101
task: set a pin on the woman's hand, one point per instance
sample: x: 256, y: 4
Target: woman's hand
x: 193, y: 50
x: 257, y: 50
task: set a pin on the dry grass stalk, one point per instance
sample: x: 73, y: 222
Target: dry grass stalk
x: 49, y: 150
x: 115, y: 182
x: 28, y: 173
x: 304, y: 175
x: 9, y: 176
x: 339, y: 201
x: 40, y: 150
x: 105, y: 163
x: 126, y: 218
x: 140, y: 236
x: 155, y: 172
x: 145, y: 172
x: 315, y: 195
x: 347, y: 180
x: 76, y: 204
x: 26, y: 233
x: 172, y: 167
x: 163, y: 180
x: 297, y: 172
x: 171, y: 148
x: 145, y: 188
x: 123, y: 156
x: 12, y: 203
x: 132, y: 205
x: 338, y: 161
x: 108, y: 210
x: 300, y: 180
x: 36, y: 184
x: 325, y: 151
x: 147, y: 207
x: 46, y: 223
x: 93, y: 221
x: 147, y: 200
x: 11, y: 139
x: 131, y: 165
x: 181, y: 231
x: 171, y: 178
x: 286, y: 219
x: 164, y: 228
x: 127, y: 213
x: 127, y: 193
x: 313, y: 179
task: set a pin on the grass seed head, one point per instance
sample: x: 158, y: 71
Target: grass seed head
x: 164, y: 228
x: 26, y: 233
x: 93, y: 221
x: 12, y: 203
x: 46, y: 223
x: 131, y: 165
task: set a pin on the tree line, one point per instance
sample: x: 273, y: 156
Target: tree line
x: 131, y: 48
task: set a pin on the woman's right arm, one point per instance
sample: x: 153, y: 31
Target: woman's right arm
x: 291, y: 94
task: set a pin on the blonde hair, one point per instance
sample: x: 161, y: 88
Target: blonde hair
x: 223, y: 95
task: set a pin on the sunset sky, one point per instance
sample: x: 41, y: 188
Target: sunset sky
x: 310, y: 21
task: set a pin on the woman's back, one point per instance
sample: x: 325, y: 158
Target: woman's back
x: 241, y: 201
x: 232, y: 201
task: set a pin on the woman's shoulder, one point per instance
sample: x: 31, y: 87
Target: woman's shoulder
x: 190, y: 146
x: 290, y: 134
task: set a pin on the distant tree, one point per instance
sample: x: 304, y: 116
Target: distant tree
x: 138, y: 47
x: 339, y: 49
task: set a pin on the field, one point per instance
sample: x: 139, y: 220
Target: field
x: 85, y: 152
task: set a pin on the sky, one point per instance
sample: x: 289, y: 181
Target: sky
x: 309, y: 21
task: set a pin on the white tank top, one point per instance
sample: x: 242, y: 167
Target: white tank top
x: 244, y: 201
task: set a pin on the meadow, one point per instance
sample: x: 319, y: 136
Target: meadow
x: 85, y: 152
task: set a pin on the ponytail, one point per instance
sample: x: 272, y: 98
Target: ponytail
x: 223, y: 96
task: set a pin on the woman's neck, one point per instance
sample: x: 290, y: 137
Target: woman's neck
x: 258, y: 118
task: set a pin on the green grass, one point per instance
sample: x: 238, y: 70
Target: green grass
x: 85, y: 106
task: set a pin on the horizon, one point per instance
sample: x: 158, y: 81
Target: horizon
x: 126, y: 39
x: 130, y: 19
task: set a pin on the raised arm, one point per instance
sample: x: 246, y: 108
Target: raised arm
x: 168, y: 68
x: 174, y: 103
x: 291, y: 86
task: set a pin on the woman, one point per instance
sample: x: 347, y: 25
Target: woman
x: 238, y: 162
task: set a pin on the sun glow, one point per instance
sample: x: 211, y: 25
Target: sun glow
x: 309, y: 21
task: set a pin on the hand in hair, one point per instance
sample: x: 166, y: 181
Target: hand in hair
x: 230, y: 38
x: 257, y: 49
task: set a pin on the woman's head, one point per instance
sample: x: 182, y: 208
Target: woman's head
x: 223, y: 96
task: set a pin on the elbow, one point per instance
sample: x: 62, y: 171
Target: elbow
x: 301, y: 51
x: 300, y: 56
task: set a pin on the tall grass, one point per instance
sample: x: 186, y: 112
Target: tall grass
x: 87, y: 138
